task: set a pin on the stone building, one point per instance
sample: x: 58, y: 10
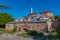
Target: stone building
x: 41, y: 23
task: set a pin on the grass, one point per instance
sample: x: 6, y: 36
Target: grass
x: 2, y: 30
x: 54, y: 33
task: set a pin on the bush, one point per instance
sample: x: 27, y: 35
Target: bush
x: 2, y: 30
x: 40, y: 34
x: 23, y: 34
x: 32, y: 33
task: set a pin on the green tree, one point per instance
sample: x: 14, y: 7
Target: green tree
x: 5, y: 18
x: 57, y: 17
x: 58, y: 32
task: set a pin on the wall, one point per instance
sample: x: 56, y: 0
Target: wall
x: 9, y: 26
x: 37, y: 26
x: 49, y: 25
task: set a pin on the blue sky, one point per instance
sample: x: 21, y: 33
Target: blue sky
x: 21, y: 8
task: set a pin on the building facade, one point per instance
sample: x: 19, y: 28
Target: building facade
x: 41, y: 23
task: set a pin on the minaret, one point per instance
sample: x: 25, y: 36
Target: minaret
x: 31, y: 10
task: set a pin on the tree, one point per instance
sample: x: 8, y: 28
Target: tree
x: 5, y: 18
x: 57, y: 17
x: 58, y: 32
x: 58, y: 29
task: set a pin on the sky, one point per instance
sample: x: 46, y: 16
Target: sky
x: 21, y: 8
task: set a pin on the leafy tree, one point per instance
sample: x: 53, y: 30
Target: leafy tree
x: 58, y: 32
x: 5, y: 18
x: 58, y: 29
x: 57, y: 17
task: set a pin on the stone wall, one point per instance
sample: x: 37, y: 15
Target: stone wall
x: 39, y: 27
x: 9, y: 26
x: 49, y: 25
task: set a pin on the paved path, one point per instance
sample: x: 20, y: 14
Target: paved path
x: 13, y: 37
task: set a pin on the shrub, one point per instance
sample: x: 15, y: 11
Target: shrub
x: 40, y: 34
x: 32, y: 33
x: 23, y: 34
x: 2, y: 30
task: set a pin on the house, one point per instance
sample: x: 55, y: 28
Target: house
x: 43, y: 22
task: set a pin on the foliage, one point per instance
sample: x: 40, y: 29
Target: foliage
x: 58, y: 29
x: 54, y: 33
x: 57, y: 17
x: 5, y: 18
x: 25, y: 34
x: 32, y: 33
x: 58, y: 32
x: 2, y: 30
x: 40, y: 34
